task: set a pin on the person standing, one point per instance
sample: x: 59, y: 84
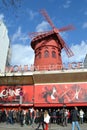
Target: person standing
x: 40, y: 120
x: 46, y: 119
x: 21, y: 117
x: 81, y: 116
x: 74, y: 117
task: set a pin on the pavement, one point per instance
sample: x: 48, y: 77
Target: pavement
x: 16, y: 126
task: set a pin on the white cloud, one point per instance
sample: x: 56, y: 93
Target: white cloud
x: 22, y: 55
x: 43, y: 26
x: 84, y: 25
x: 1, y: 17
x: 31, y: 14
x: 79, y: 50
x: 67, y: 4
x: 19, y: 36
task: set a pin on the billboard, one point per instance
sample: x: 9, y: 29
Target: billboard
x: 45, y: 95
x: 13, y: 95
x: 61, y: 93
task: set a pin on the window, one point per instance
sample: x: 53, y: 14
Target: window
x: 53, y: 54
x: 46, y: 54
x: 39, y: 55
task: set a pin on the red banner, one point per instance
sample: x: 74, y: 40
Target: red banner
x: 13, y: 94
x: 43, y: 95
x: 61, y: 93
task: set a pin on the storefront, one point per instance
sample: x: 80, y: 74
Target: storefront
x: 48, y: 89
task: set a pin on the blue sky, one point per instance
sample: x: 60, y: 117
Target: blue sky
x: 24, y: 17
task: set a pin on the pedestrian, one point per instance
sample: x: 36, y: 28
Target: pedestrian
x: 21, y: 117
x: 41, y: 120
x: 37, y: 116
x: 74, y: 117
x: 65, y: 117
x: 46, y: 119
x: 81, y: 116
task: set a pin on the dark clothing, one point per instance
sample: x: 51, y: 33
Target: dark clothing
x: 41, y: 121
x: 74, y: 115
x: 21, y: 117
x: 41, y: 118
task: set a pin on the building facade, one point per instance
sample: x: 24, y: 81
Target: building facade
x: 4, y: 47
x: 44, y: 89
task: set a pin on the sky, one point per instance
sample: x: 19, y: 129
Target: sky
x: 22, y: 17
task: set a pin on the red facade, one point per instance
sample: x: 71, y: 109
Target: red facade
x: 46, y: 95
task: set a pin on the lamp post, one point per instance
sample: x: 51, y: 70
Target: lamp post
x: 21, y: 96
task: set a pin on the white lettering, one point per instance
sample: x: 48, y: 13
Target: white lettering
x: 9, y: 93
x: 25, y: 68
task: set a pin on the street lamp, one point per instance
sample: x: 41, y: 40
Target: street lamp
x: 21, y: 96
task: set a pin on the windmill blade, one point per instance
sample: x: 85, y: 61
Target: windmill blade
x: 35, y: 34
x: 44, y: 13
x: 67, y: 28
x: 65, y: 46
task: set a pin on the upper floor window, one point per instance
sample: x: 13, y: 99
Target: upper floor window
x: 53, y: 54
x: 46, y: 54
x: 39, y: 55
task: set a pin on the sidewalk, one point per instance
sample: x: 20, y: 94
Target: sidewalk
x: 16, y: 126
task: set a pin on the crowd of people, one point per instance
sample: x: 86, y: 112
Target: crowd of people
x: 42, y: 117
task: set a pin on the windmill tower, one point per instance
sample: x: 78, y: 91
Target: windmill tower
x: 47, y: 46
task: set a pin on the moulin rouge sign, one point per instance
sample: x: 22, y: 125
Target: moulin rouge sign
x: 25, y: 68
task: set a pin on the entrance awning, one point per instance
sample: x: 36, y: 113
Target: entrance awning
x: 59, y: 105
x: 16, y: 105
x: 47, y: 105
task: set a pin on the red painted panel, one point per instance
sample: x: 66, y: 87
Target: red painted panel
x: 61, y: 93
x: 11, y: 94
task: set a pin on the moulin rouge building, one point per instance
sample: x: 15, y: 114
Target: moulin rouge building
x: 47, y: 83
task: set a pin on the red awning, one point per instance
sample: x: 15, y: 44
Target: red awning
x: 59, y: 105
x: 15, y: 105
x: 47, y: 105
x: 26, y: 105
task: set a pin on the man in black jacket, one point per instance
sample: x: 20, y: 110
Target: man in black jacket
x: 74, y: 116
x: 41, y: 120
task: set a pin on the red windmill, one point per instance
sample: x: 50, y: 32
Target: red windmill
x: 48, y: 45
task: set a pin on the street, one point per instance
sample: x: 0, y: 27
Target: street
x: 16, y: 126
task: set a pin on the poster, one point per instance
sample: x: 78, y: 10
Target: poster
x: 58, y: 93
x: 13, y: 94
x: 61, y: 93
